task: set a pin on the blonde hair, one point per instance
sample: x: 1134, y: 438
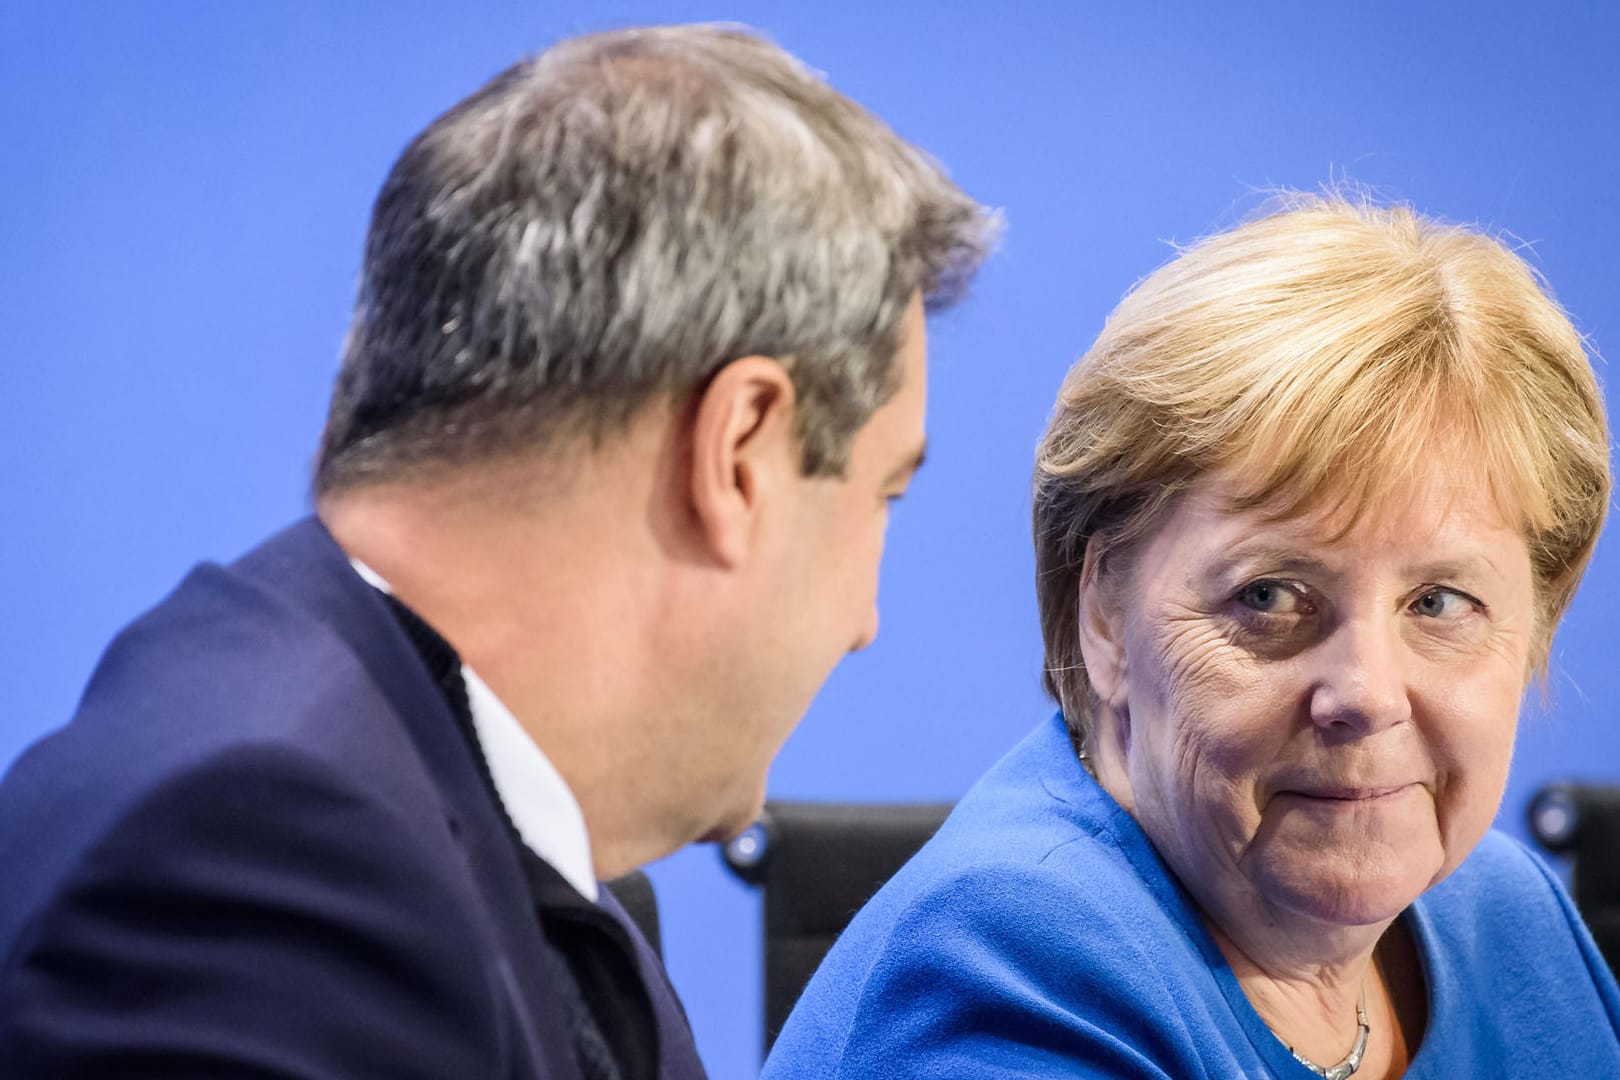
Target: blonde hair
x: 1319, y: 354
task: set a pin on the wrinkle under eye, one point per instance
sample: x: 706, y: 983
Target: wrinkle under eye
x: 1272, y: 618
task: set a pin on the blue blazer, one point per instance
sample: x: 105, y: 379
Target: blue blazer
x: 1039, y: 934
x: 263, y: 848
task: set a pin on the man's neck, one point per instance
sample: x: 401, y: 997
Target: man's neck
x: 552, y: 611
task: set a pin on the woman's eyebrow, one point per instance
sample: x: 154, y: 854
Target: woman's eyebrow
x: 1244, y: 558
x: 1267, y: 558
x: 1466, y: 568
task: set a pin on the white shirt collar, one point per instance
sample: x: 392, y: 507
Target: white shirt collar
x: 536, y: 796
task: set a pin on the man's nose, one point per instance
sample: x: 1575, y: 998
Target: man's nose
x: 868, y: 632
x: 1360, y: 685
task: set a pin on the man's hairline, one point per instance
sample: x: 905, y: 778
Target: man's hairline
x: 575, y: 445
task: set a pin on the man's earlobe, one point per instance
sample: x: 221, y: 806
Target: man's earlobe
x: 743, y: 443
x: 1102, y: 646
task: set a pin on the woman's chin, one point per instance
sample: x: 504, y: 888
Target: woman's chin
x: 1359, y: 888
x: 1350, y: 865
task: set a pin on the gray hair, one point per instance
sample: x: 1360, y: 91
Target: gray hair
x: 620, y: 217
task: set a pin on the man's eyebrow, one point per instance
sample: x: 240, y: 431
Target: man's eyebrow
x: 908, y: 467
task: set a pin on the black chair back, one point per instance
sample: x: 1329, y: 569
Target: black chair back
x: 1583, y: 822
x: 817, y: 863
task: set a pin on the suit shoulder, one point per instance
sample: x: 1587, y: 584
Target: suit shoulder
x: 221, y: 690
x: 1504, y: 908
x: 1500, y: 872
x: 266, y: 874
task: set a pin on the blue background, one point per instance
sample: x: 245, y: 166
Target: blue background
x: 185, y: 187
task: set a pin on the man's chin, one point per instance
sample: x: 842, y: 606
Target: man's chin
x: 735, y: 822
x: 719, y: 834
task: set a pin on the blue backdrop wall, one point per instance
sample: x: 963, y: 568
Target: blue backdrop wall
x: 185, y: 187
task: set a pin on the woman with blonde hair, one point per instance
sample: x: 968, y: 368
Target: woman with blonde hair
x: 1306, y: 517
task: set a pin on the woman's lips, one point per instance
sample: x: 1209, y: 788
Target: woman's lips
x: 1347, y: 794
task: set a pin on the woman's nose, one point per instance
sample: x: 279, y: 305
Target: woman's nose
x: 1360, y: 685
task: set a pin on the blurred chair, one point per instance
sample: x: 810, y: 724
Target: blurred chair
x: 634, y: 892
x: 817, y: 863
x: 1583, y: 822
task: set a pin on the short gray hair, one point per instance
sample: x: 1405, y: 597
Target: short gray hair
x: 620, y: 217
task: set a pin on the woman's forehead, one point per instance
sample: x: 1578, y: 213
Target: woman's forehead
x: 1447, y: 504
x: 1380, y: 483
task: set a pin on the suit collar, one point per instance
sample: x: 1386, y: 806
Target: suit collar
x: 533, y: 795
x: 304, y: 566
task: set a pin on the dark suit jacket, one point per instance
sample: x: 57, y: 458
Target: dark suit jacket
x: 263, y: 848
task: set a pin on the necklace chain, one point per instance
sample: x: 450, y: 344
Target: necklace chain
x: 1352, y: 1061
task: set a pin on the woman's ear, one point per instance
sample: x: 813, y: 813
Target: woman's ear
x: 1102, y: 645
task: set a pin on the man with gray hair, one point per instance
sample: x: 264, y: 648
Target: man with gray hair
x: 636, y: 367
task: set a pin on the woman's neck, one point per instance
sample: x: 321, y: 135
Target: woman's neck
x: 1311, y: 1004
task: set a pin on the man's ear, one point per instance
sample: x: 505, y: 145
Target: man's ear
x: 744, y: 450
x: 1102, y: 643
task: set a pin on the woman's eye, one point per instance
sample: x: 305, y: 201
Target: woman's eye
x: 1272, y: 597
x: 1443, y: 604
